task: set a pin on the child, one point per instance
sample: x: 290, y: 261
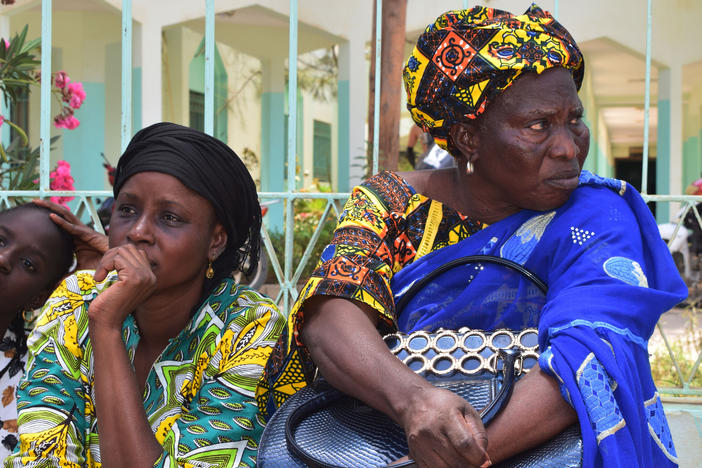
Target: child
x: 35, y: 254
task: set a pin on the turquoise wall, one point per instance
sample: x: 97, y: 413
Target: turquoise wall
x: 343, y: 139
x: 5, y: 129
x: 82, y: 146
x: 592, y: 154
x: 692, y: 160
x: 196, y: 82
x: 136, y: 100
x: 604, y: 167
x: 663, y: 160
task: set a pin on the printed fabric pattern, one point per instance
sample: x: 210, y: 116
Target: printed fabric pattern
x: 379, y: 232
x: 11, y: 372
x: 464, y: 59
x: 199, y: 394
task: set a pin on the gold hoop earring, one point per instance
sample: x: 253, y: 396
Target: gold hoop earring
x: 469, y: 168
x: 210, y: 271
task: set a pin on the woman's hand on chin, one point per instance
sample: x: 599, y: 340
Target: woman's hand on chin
x: 136, y: 282
x: 89, y: 244
x: 444, y: 430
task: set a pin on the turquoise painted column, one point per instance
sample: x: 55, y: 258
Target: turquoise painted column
x: 136, y: 100
x: 692, y: 158
x: 592, y: 154
x: 669, y: 157
x: 82, y: 146
x: 343, y: 173
x: 272, y: 136
x: 663, y: 156
x: 352, y: 112
x: 343, y: 107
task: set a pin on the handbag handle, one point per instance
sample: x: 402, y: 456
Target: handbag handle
x: 419, y: 284
x: 331, y: 395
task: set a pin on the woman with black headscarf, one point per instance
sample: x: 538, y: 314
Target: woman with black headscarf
x: 152, y: 359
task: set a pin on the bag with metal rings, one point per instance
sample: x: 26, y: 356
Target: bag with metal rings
x: 320, y: 426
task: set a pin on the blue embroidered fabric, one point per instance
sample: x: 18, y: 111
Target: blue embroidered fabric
x: 610, y: 277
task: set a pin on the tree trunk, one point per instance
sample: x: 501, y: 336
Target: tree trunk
x: 392, y: 57
x: 393, y: 54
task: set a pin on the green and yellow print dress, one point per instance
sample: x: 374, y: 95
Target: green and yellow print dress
x: 199, y: 395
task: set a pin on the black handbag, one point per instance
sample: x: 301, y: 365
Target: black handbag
x: 320, y: 426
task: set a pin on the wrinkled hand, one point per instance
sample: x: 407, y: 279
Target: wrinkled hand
x: 443, y: 430
x: 89, y: 244
x: 135, y: 285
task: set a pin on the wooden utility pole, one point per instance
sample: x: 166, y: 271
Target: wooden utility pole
x: 392, y: 57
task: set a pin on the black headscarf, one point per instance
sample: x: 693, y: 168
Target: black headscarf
x: 211, y: 169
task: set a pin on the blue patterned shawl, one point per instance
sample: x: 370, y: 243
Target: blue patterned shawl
x: 610, y: 277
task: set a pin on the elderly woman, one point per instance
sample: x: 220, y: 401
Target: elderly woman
x: 499, y: 92
x: 153, y: 358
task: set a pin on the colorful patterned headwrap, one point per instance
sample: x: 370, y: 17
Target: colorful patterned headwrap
x: 466, y: 58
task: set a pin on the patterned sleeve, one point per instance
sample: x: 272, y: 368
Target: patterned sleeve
x: 221, y: 427
x: 52, y: 398
x: 369, y: 244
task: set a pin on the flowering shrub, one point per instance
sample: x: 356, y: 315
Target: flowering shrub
x: 71, y: 96
x: 19, y: 69
x: 61, y: 179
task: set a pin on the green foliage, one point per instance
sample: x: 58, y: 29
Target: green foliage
x: 307, y: 215
x: 686, y: 349
x: 18, y: 65
x: 22, y: 166
x: 318, y: 73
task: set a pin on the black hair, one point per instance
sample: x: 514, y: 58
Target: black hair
x: 17, y: 326
x: 211, y: 169
x: 64, y: 256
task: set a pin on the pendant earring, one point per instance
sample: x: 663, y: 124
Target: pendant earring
x: 469, y: 168
x: 210, y: 271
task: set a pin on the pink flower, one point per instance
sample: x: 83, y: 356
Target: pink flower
x: 68, y: 122
x: 61, y: 79
x: 61, y: 179
x: 61, y: 200
x: 77, y: 95
x: 7, y: 43
x: 63, y: 169
x: 2, y: 120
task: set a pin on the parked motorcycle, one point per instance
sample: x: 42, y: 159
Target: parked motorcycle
x: 686, y: 248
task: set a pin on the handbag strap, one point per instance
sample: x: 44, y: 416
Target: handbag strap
x: 329, y: 396
x: 419, y: 284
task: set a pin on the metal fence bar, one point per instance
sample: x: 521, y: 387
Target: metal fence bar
x: 285, y: 274
x: 209, y: 66
x: 126, y: 127
x: 376, y: 104
x: 287, y: 287
x: 45, y: 97
x: 647, y: 99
